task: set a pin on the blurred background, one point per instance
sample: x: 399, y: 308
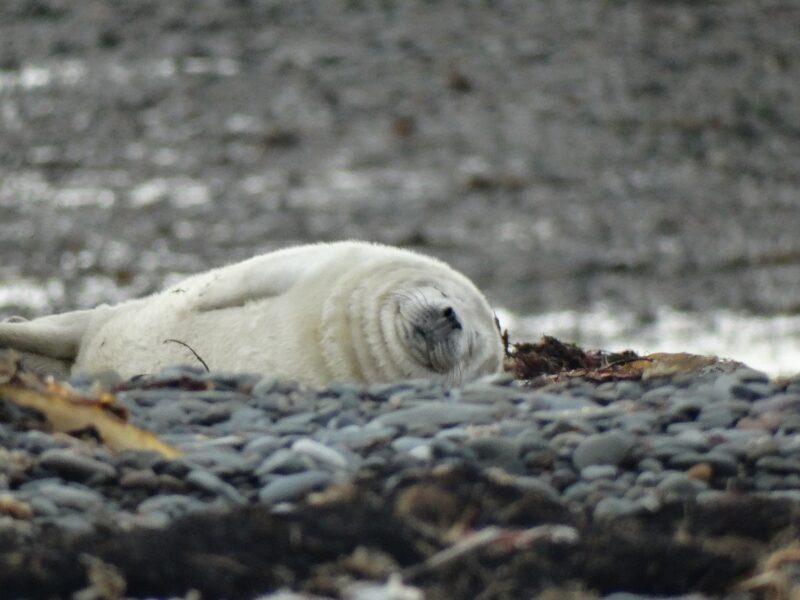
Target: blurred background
x: 615, y: 173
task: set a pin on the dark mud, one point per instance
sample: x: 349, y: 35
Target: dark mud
x: 560, y: 153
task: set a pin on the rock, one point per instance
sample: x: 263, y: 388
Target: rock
x: 291, y: 487
x: 603, y: 449
x: 72, y: 465
x: 212, y: 484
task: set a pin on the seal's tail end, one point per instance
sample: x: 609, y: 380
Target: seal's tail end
x: 57, y: 337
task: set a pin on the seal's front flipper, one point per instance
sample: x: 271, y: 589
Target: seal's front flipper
x: 54, y: 337
x: 257, y: 279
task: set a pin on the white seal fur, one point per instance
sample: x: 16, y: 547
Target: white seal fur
x: 322, y: 313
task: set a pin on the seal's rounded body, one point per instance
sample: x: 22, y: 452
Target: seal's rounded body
x: 339, y: 312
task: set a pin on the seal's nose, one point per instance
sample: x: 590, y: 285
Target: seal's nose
x: 451, y: 316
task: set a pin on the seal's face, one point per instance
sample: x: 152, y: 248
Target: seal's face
x: 448, y: 333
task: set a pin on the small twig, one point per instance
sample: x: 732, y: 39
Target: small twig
x: 196, y: 355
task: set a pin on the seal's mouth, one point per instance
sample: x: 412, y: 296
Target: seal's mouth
x: 433, y: 329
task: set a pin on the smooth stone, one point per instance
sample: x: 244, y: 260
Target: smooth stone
x: 722, y: 464
x: 683, y: 427
x: 751, y: 391
x: 70, y: 496
x: 284, y: 461
x: 72, y: 465
x: 748, y: 375
x: 291, y: 487
x: 212, y: 484
x: 680, y: 485
x: 542, y: 401
x: 270, y: 384
x: 211, y: 415
x: 247, y: 418
x: 716, y: 416
x: 320, y: 453
x: 43, y: 506
x: 171, y: 506
x: 301, y: 423
x: 777, y: 464
x: 531, y: 439
x: 137, y: 459
x: 593, y: 472
x: 497, y: 452
x: 536, y: 485
x: 221, y: 461
x: 641, y: 422
x: 789, y: 425
x: 423, y: 452
x: 630, y: 390
x: 73, y: 523
x: 487, y: 394
x: 778, y: 403
x: 437, y: 414
x: 37, y: 442
x: 658, y: 394
x: 357, y: 437
x: 406, y: 443
x: 578, y: 491
x: 608, y: 448
x: 168, y: 413
x: 262, y: 445
x: 650, y: 464
x: 145, y: 479
x: 611, y: 508
x: 647, y: 479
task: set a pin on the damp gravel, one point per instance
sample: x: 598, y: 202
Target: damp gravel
x: 606, y: 450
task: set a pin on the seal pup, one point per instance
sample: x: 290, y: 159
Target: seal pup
x: 321, y: 313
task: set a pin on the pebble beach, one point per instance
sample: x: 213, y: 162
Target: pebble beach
x: 598, y: 456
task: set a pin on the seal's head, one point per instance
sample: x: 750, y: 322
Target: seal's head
x: 447, y: 331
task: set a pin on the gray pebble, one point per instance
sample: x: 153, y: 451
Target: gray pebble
x: 144, y: 479
x: 721, y: 463
x: 263, y: 445
x: 73, y: 523
x: 778, y: 403
x: 222, y: 461
x: 498, y: 452
x: 777, y: 464
x: 284, y: 461
x: 593, y: 472
x: 357, y: 437
x: 214, y: 485
x: 291, y: 487
x: 751, y: 391
x: 73, y: 496
x: 72, y: 465
x: 603, y: 449
x: 650, y: 464
x: 680, y: 486
x: 320, y: 452
x: 170, y: 505
x: 436, y: 414
x: 43, y: 506
x: 405, y: 443
x: 612, y: 508
x: 716, y: 416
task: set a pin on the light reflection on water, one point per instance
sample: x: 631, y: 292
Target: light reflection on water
x: 768, y: 343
